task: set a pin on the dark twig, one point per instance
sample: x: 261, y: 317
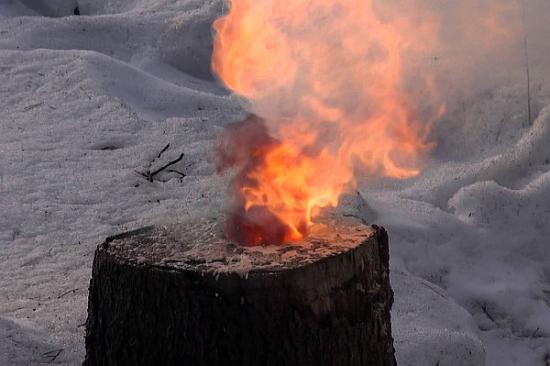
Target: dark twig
x: 484, y: 308
x: 547, y: 359
x: 146, y: 175
x: 177, y: 172
x: 66, y: 293
x: 32, y: 106
x: 151, y: 175
x: 52, y: 355
x: 163, y: 150
x: 166, y: 166
x: 432, y: 289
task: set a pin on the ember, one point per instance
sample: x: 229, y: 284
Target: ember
x: 256, y: 217
x: 327, y: 99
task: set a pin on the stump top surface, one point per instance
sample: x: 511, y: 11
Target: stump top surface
x: 201, y: 246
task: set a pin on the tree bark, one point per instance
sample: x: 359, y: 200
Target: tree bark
x: 185, y: 296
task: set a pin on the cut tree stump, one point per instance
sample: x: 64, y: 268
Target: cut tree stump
x: 184, y: 295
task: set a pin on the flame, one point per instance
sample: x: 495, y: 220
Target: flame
x: 325, y: 79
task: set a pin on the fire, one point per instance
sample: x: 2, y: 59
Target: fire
x: 325, y: 80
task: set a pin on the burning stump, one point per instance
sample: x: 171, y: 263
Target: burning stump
x: 186, y: 296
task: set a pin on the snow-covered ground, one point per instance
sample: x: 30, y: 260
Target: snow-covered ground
x: 86, y: 101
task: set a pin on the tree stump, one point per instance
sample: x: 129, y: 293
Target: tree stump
x: 184, y: 295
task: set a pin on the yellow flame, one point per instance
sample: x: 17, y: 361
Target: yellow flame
x: 327, y: 77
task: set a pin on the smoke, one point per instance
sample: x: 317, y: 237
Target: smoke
x: 444, y: 48
x: 341, y: 85
x: 480, y: 45
x: 479, y: 67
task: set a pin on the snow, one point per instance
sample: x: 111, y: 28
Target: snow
x: 89, y: 100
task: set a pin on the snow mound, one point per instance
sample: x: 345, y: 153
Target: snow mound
x: 430, y: 328
x: 89, y: 102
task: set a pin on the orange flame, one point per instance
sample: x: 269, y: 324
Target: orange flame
x: 326, y: 79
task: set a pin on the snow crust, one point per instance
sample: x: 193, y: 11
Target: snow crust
x: 88, y: 100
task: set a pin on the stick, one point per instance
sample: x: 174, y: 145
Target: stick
x: 177, y: 172
x: 484, y: 308
x: 66, y: 293
x: 151, y: 175
x: 52, y: 355
x: 163, y: 150
x: 32, y: 106
x: 141, y: 173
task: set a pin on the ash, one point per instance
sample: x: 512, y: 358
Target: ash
x: 202, y: 246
